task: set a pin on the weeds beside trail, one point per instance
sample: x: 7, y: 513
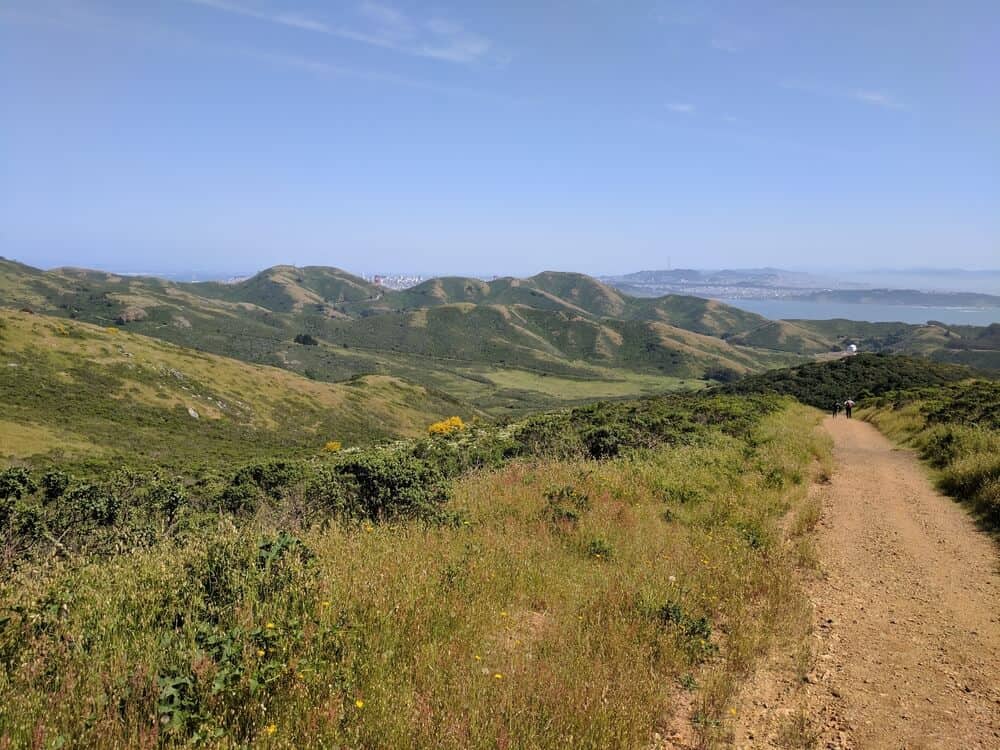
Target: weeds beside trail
x: 560, y: 601
x: 956, y: 429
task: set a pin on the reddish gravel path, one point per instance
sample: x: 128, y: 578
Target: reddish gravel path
x: 907, y: 614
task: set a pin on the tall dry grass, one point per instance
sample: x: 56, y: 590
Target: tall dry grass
x: 580, y: 603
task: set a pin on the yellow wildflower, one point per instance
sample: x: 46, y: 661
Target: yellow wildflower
x: 260, y: 652
x: 497, y: 675
x: 269, y: 626
x: 270, y: 729
x: 447, y: 426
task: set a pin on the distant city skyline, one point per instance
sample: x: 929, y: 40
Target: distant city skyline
x: 596, y: 137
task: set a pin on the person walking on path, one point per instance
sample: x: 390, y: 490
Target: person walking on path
x: 836, y: 409
x: 848, y: 408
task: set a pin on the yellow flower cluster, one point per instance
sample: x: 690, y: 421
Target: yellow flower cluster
x: 333, y: 446
x: 447, y: 426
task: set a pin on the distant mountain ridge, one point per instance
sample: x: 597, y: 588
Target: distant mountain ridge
x: 820, y: 288
x: 493, y: 342
x: 502, y: 344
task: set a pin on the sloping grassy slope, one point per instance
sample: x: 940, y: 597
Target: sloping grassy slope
x: 974, y: 346
x: 783, y: 335
x: 604, y: 601
x: 77, y: 390
x: 290, y: 289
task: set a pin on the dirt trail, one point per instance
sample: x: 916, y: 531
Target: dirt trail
x: 907, y: 628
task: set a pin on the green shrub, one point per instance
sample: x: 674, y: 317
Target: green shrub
x: 15, y: 482
x: 821, y: 384
x: 394, y: 485
x: 54, y: 484
x: 693, y: 634
x: 255, y: 484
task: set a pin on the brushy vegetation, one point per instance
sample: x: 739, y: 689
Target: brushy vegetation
x: 564, y: 579
x: 859, y: 377
x: 956, y: 428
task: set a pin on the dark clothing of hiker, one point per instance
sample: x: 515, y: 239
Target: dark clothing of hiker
x: 836, y: 409
x: 848, y: 408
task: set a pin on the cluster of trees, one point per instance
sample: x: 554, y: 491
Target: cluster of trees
x: 820, y: 384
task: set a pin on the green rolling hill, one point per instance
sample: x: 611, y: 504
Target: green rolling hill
x: 79, y: 392
x: 506, y: 344
x: 500, y: 345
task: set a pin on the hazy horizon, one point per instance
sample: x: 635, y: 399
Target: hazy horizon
x: 152, y: 269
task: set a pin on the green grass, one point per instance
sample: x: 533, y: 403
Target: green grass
x: 956, y: 429
x: 568, y: 601
x: 74, y: 391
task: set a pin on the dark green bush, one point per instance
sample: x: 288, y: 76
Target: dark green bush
x: 693, y: 633
x: 255, y: 484
x: 54, y: 484
x: 15, y: 482
x: 394, y: 485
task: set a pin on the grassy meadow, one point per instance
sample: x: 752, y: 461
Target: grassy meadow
x: 597, y: 578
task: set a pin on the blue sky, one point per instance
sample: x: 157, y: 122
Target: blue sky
x: 504, y: 137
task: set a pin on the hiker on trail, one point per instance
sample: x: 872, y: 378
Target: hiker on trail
x: 848, y: 407
x: 835, y: 409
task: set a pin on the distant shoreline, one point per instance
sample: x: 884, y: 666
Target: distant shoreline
x: 804, y: 309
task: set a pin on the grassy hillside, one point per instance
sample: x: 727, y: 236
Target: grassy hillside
x: 955, y: 428
x: 327, y: 325
x: 78, y: 391
x: 609, y: 574
x: 821, y: 384
x: 784, y: 335
x: 291, y: 289
x: 974, y: 346
x: 470, y: 338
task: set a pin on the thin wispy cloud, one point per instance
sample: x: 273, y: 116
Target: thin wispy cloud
x: 877, y: 98
x: 871, y: 97
x: 82, y: 19
x: 331, y: 70
x: 681, y: 108
x: 378, y: 25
